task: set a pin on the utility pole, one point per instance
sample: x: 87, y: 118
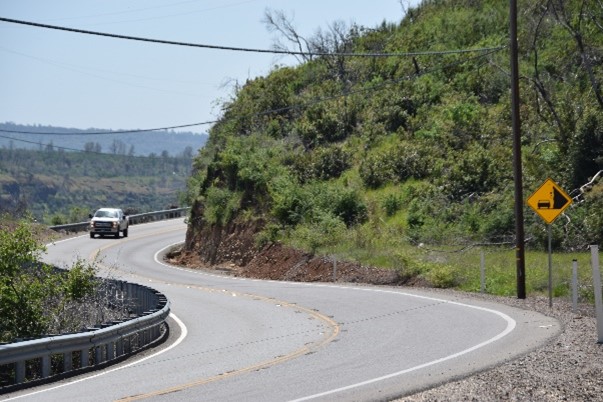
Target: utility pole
x: 519, y: 232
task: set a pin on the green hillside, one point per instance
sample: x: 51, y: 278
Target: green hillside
x: 364, y: 156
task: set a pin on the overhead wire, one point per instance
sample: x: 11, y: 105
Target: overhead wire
x: 373, y: 88
x: 73, y: 149
x: 482, y: 53
x: 110, y: 132
x: 243, y: 49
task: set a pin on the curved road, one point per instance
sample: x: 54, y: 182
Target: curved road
x: 236, y: 339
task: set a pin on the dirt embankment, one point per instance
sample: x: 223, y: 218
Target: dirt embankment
x: 233, y: 250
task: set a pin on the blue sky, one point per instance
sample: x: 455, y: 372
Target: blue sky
x: 66, y: 79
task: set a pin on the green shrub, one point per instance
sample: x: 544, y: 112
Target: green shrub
x: 441, y: 276
x: 290, y: 202
x: 391, y: 204
x: 349, y: 207
x: 80, y: 280
x: 395, y: 163
x: 221, y: 205
x: 325, y: 231
x: 33, y: 295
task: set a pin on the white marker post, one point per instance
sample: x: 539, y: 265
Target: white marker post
x: 594, y: 252
x: 482, y: 272
x: 575, y: 286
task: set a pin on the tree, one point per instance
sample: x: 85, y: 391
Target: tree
x: 117, y: 147
x: 36, y: 299
x: 89, y: 146
x: 574, y: 20
x: 277, y: 21
x: 22, y: 287
x: 188, y: 152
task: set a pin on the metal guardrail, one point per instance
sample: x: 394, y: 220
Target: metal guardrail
x: 31, y: 362
x: 133, y: 219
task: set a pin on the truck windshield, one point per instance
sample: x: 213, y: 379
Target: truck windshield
x: 105, y: 214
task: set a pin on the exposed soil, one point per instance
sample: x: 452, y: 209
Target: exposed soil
x: 277, y: 262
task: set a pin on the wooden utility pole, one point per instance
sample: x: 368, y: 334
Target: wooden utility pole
x: 519, y: 232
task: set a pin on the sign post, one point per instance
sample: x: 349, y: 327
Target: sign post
x: 594, y: 251
x: 549, y: 201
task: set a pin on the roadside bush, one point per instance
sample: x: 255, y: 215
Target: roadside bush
x: 473, y: 171
x: 289, y: 201
x: 350, y: 207
x: 22, y: 284
x: 391, y: 204
x: 441, y: 276
x: 36, y: 299
x: 324, y: 163
x: 325, y: 230
x: 220, y: 205
x: 394, y: 164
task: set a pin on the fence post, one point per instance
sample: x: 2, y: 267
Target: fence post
x: 575, y: 286
x: 482, y: 272
x: 334, y: 269
x: 594, y: 251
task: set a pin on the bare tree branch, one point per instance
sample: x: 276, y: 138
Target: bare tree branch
x: 277, y: 21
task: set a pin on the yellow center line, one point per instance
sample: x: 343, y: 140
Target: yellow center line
x: 328, y: 337
x: 93, y: 255
x: 332, y: 333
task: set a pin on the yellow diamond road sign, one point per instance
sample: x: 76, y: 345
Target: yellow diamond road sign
x: 549, y: 201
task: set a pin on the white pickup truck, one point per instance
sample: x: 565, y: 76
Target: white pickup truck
x: 109, y: 221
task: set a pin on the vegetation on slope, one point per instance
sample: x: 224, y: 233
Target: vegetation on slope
x: 363, y: 156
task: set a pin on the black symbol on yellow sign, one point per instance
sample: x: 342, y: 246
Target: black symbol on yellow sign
x: 549, y: 201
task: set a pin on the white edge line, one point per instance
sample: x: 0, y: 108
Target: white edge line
x: 183, y: 334
x: 511, y: 324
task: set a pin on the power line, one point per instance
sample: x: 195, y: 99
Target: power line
x: 73, y: 149
x: 242, y: 49
x: 373, y: 88
x: 109, y: 132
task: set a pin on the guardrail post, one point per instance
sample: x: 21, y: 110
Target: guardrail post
x: 110, y: 351
x: 119, y: 347
x: 46, y: 366
x: 67, y: 361
x: 98, y: 355
x: 94, y: 348
x: 20, y: 372
x: 84, y: 358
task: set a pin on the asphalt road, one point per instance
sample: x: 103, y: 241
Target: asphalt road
x: 235, y: 339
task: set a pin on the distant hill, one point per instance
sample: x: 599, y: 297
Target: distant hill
x: 17, y: 136
x: 56, y: 186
